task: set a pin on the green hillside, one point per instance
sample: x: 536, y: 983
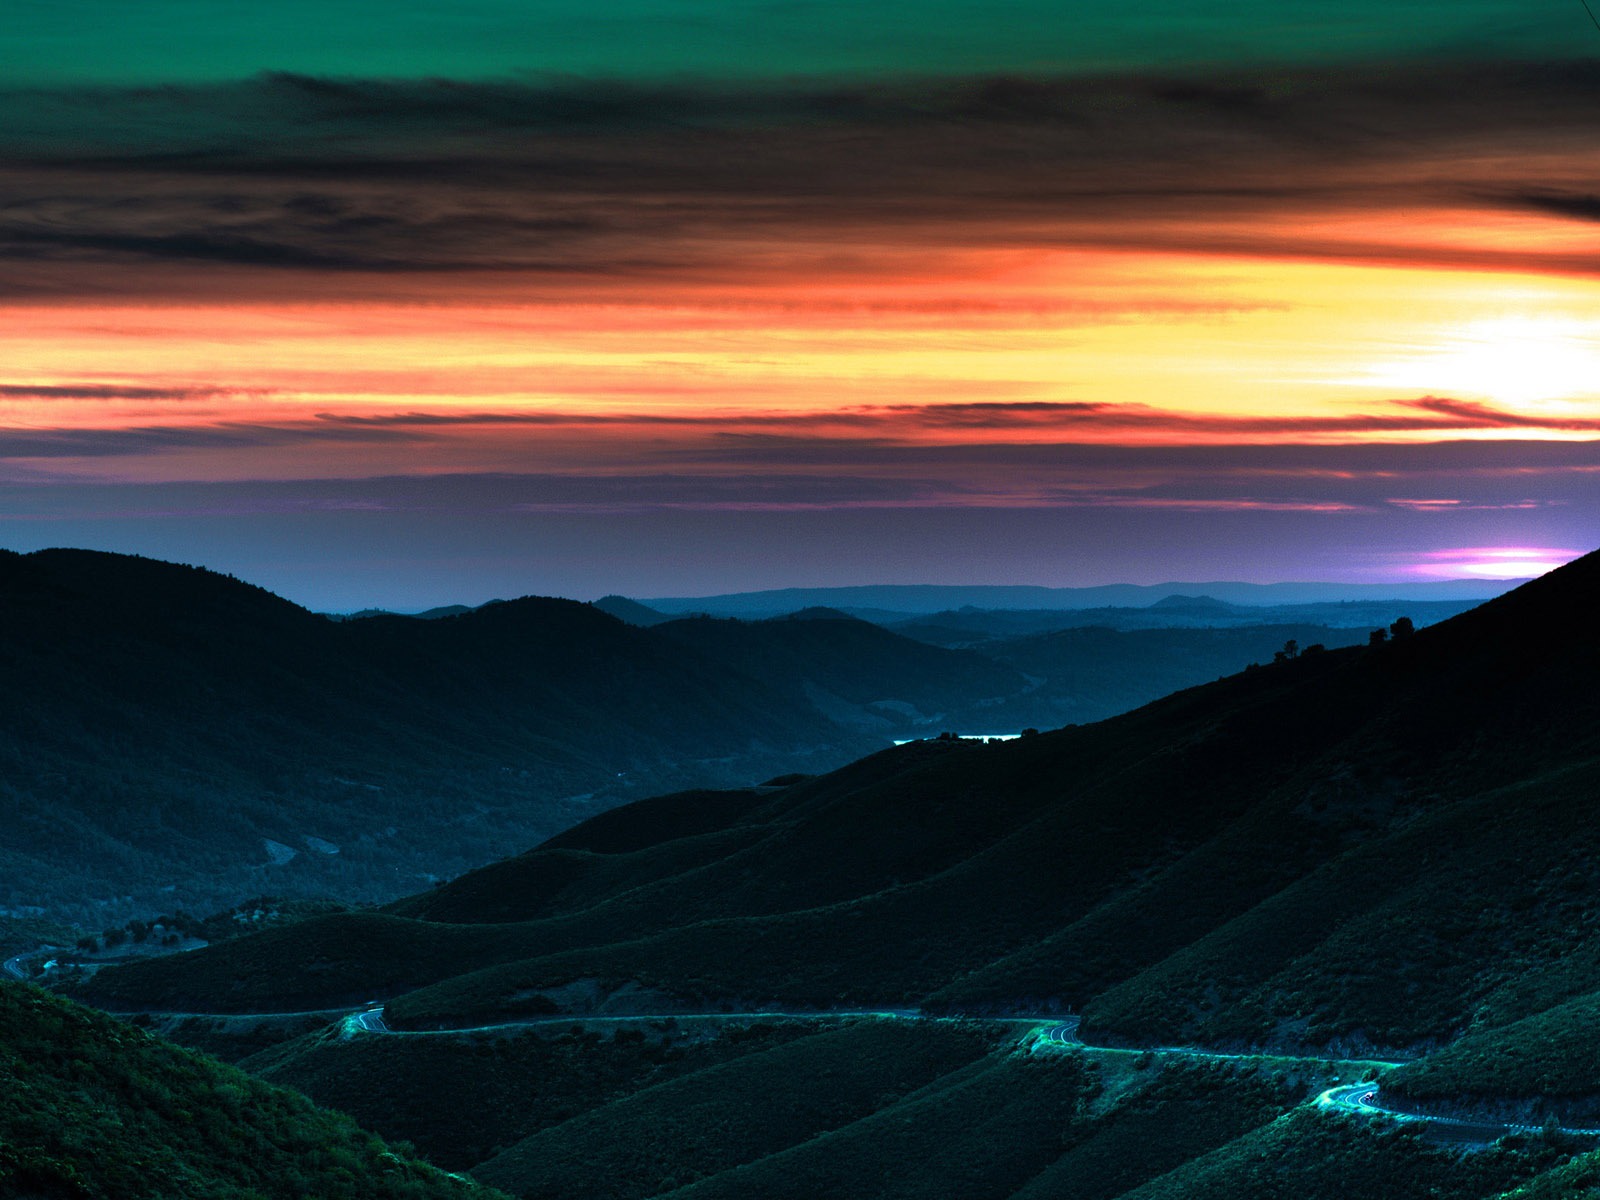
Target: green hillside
x: 92, y: 1109
x: 1354, y: 848
x: 1544, y: 1064
x: 1382, y: 851
x: 487, y: 1093
x: 1315, y: 1157
x: 865, y: 1107
x: 172, y: 738
x: 730, y: 1115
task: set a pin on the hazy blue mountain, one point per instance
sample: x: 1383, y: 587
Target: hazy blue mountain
x: 913, y: 599
x: 94, y: 1109
x: 630, y: 611
x: 974, y: 627
x: 175, y: 738
x: 858, y: 674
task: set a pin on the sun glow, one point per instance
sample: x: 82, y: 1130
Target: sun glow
x: 1495, y: 562
x: 1548, y: 362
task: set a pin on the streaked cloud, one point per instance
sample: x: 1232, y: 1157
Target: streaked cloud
x: 571, y: 180
x: 1017, y: 315
x: 1427, y: 414
x: 112, y: 391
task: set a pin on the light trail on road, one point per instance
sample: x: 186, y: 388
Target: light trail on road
x: 1365, y: 1100
x: 1048, y: 1033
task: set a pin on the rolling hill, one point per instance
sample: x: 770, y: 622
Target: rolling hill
x: 909, y: 599
x: 1384, y: 850
x: 170, y: 737
x: 94, y: 1109
x: 175, y: 739
x: 982, y: 628
x: 1260, y: 860
x: 857, y: 674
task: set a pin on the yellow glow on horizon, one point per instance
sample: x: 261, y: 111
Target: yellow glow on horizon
x: 1244, y: 349
x: 1517, y: 359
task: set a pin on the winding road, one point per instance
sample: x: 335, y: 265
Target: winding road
x: 370, y: 1020
x: 1043, y: 1034
x: 1065, y: 1035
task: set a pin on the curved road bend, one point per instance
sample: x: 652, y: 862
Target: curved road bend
x: 1363, y: 1099
x: 1358, y: 1099
x: 14, y: 966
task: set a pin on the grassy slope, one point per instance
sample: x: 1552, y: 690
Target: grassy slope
x: 983, y: 848
x: 464, y: 1100
x: 1310, y: 1155
x: 1399, y: 939
x: 1575, y: 1180
x: 160, y: 721
x: 1213, y: 866
x: 1553, y: 1054
x: 92, y: 1108
x: 736, y: 1113
x: 979, y: 1134
x: 1183, y: 1112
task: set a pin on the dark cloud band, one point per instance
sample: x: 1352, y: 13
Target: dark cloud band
x: 583, y: 179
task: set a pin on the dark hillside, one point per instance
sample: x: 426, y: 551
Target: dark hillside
x: 630, y: 612
x: 1382, y: 851
x: 701, y: 1124
x: 174, y: 739
x: 486, y: 1094
x: 1315, y: 1157
x: 93, y: 1109
x: 1211, y: 866
x: 1093, y: 673
x: 170, y: 737
x: 1547, y: 1063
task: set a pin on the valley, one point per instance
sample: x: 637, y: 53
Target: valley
x: 1335, y: 911
x: 175, y: 741
x: 1111, y: 1092
x: 800, y: 600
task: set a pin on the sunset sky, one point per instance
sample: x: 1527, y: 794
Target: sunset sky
x: 401, y: 305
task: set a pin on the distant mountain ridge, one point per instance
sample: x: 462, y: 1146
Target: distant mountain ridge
x: 630, y: 611
x: 931, y: 598
x: 1383, y: 851
x: 173, y: 737
x: 982, y: 627
x: 169, y: 732
x: 1195, y: 603
x: 96, y: 1110
x: 1200, y: 869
